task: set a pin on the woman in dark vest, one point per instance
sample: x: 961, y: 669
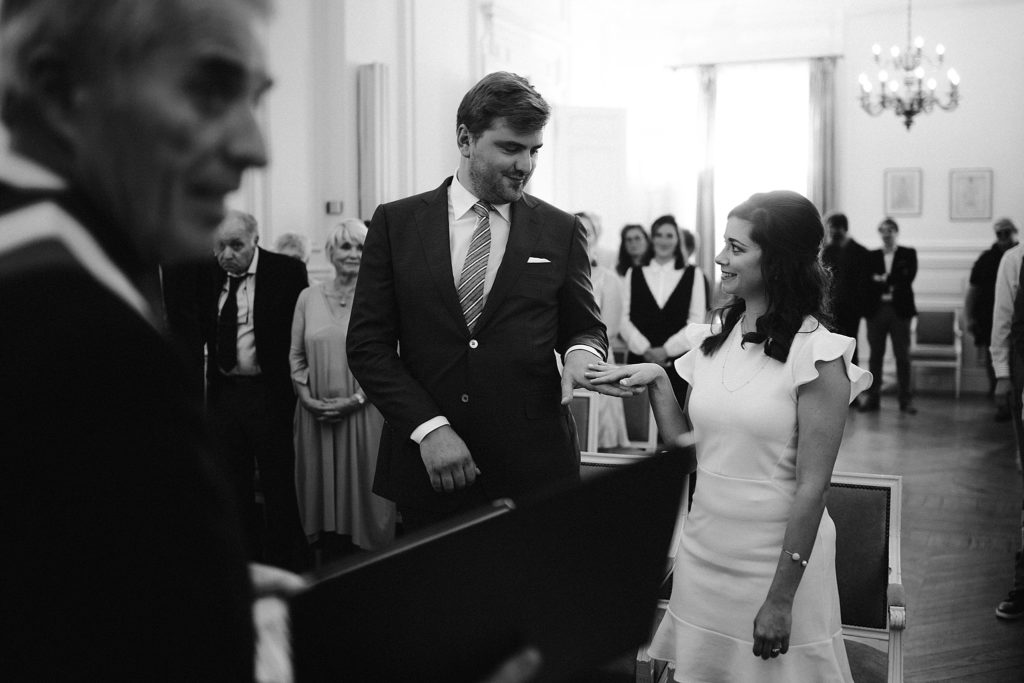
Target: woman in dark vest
x: 660, y: 299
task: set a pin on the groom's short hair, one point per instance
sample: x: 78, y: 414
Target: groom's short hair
x: 503, y: 95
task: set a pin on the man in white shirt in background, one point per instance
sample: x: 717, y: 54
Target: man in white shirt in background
x: 1008, y: 367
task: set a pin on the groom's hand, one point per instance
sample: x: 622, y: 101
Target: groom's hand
x: 447, y: 459
x: 574, y: 375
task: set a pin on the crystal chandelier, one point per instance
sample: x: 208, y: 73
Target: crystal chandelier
x: 904, y: 83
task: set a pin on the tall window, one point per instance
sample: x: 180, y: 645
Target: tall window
x: 663, y: 147
x: 762, y: 133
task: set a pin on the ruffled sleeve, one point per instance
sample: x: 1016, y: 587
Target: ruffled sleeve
x: 822, y: 345
x: 695, y: 335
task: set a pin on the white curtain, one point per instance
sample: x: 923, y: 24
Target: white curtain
x: 822, y: 164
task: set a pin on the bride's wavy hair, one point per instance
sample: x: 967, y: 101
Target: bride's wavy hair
x: 788, y: 229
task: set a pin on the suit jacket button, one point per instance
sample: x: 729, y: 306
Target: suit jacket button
x: 473, y: 343
x: 465, y: 398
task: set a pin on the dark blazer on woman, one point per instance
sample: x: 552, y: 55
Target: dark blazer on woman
x: 904, y: 270
x: 498, y: 386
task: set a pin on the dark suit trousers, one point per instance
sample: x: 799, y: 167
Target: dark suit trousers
x: 848, y: 324
x: 252, y: 431
x: 1016, y: 408
x: 446, y: 506
x: 887, y: 323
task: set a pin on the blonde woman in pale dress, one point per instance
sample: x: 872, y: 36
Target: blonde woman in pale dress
x: 754, y: 594
x: 336, y: 431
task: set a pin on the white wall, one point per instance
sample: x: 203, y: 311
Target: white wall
x: 314, y: 49
x: 983, y: 42
x: 445, y: 64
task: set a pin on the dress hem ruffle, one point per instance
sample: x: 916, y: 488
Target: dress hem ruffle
x: 712, y: 657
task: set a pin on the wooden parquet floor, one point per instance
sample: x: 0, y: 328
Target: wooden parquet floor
x: 961, y: 527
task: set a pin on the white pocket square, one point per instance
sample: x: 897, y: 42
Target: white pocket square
x: 538, y: 259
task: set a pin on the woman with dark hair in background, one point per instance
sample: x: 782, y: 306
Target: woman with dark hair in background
x: 661, y: 299
x: 634, y: 248
x: 754, y: 594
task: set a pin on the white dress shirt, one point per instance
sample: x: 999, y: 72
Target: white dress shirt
x: 462, y: 222
x: 248, y: 364
x: 1007, y: 281
x: 888, y: 257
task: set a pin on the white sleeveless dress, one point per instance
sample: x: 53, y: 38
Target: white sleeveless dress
x: 743, y: 406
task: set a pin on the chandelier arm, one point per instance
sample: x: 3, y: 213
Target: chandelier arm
x: 872, y: 108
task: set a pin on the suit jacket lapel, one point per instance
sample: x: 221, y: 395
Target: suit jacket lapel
x: 432, y: 224
x: 522, y: 237
x: 264, y: 276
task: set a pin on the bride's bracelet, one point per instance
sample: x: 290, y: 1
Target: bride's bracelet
x: 795, y: 557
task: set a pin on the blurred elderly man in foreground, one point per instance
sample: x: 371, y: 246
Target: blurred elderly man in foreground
x: 129, y: 122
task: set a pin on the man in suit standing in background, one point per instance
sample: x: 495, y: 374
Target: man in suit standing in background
x: 889, y: 309
x: 249, y: 305
x: 464, y: 295
x: 981, y: 297
x: 847, y: 260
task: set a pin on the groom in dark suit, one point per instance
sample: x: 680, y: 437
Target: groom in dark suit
x: 465, y: 294
x: 249, y: 304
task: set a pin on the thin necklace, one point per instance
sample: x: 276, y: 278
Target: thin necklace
x: 725, y: 364
x: 343, y: 297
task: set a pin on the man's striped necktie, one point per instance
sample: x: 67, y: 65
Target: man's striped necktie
x: 474, y: 270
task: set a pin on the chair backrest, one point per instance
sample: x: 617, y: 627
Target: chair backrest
x: 638, y: 424
x: 935, y: 327
x: 584, y: 411
x: 865, y: 510
x: 592, y: 463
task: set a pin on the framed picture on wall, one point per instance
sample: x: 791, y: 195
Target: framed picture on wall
x: 970, y: 194
x: 902, y: 192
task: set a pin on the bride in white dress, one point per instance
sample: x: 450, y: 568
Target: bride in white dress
x: 754, y: 594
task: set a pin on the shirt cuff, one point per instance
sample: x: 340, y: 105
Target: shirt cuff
x: 677, y: 344
x: 584, y: 347
x: 427, y: 427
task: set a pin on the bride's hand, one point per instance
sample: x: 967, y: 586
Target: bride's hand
x: 637, y: 376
